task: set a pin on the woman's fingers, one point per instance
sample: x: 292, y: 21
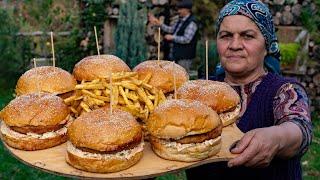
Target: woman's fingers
x: 243, y: 143
x: 257, y: 161
x: 249, y: 153
x: 256, y: 148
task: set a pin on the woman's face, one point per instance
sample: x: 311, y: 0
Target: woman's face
x: 241, y: 46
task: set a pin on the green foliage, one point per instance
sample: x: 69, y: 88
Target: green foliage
x: 32, y: 16
x: 37, y: 15
x: 15, y: 51
x: 130, y: 34
x: 181, y: 175
x: 68, y: 52
x: 291, y: 1
x: 310, y: 161
x: 310, y: 19
x: 93, y: 13
x: 206, y: 12
x: 213, y: 58
x: 288, y: 52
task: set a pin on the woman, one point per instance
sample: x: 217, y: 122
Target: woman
x: 275, y: 114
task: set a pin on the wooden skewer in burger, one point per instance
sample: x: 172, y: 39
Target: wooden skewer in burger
x: 184, y: 130
x: 48, y: 79
x: 104, y: 140
x: 160, y: 72
x: 220, y: 96
x: 35, y: 121
x: 98, y: 66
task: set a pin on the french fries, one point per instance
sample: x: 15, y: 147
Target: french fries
x: 128, y: 93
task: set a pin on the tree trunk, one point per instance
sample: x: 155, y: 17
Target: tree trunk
x: 277, y: 18
x: 163, y: 2
x: 155, y: 2
x: 279, y: 2
x: 316, y: 79
x: 296, y: 10
x: 287, y: 18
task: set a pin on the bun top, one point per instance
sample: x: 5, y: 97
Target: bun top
x: 162, y: 74
x: 94, y: 67
x: 48, y: 79
x: 35, y: 110
x: 179, y: 118
x: 218, y: 95
x: 100, y: 131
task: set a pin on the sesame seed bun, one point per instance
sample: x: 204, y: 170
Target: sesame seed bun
x: 162, y: 74
x: 184, y: 130
x: 220, y: 96
x: 94, y: 67
x: 45, y: 79
x: 100, y: 142
x: 31, y: 114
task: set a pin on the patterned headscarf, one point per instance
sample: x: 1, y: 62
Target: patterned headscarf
x: 260, y: 15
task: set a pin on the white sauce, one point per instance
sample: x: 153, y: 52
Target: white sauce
x: 125, y: 154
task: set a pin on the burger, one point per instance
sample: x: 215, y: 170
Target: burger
x: 103, y: 142
x: 98, y: 66
x: 35, y: 121
x: 184, y: 130
x: 162, y: 74
x: 46, y: 79
x: 220, y: 96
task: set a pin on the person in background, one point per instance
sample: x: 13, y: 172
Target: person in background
x: 182, y: 35
x: 275, y: 115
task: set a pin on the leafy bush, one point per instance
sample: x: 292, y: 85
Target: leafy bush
x: 206, y: 12
x: 15, y: 50
x: 310, y: 19
x: 68, y: 52
x: 288, y: 52
x: 213, y: 58
x: 60, y: 16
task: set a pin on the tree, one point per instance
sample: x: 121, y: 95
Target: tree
x: 15, y: 50
x: 206, y: 12
x: 130, y: 33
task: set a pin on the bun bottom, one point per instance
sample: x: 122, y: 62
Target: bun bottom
x: 100, y: 165
x: 227, y: 122
x: 228, y: 118
x: 186, y: 152
x: 33, y: 144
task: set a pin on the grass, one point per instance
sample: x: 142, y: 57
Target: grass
x: 10, y: 168
x: 311, y: 160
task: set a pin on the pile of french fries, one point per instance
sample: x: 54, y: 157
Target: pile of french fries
x: 128, y: 93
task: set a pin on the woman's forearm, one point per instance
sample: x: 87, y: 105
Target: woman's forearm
x: 290, y: 137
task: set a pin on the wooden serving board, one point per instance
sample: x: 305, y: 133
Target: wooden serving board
x: 53, y: 160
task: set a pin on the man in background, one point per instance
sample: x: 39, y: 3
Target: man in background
x: 182, y: 35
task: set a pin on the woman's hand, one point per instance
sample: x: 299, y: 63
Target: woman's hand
x: 257, y: 147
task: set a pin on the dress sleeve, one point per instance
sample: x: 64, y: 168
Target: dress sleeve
x: 168, y: 29
x: 291, y: 104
